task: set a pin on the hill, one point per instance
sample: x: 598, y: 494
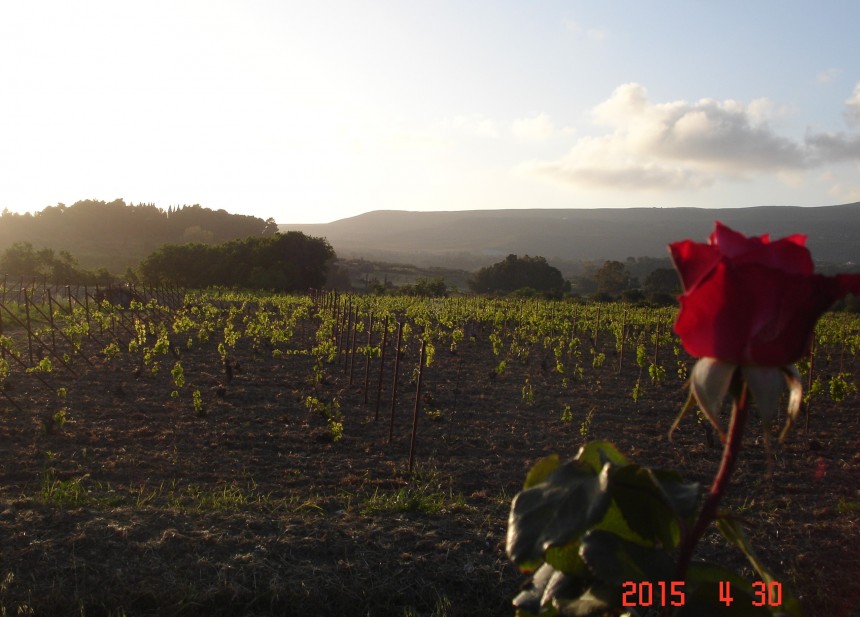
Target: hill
x: 115, y: 235
x: 470, y: 239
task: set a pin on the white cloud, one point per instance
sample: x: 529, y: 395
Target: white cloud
x: 683, y: 145
x: 596, y: 35
x: 571, y: 25
x: 827, y: 76
x: 537, y: 128
x: 852, y: 108
x: 845, y: 193
x: 477, y: 125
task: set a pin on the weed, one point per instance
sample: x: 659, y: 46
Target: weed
x: 433, y: 414
x: 197, y: 400
x: 528, y: 393
x: 844, y: 507
x: 64, y: 493
x: 55, y: 421
x: 585, y: 427
x: 405, y: 499
x: 566, y: 415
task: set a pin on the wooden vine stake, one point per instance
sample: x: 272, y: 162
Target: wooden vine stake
x: 394, y: 383
x: 351, y: 357
x: 381, y: 368
x: 417, y: 407
x: 656, y: 347
x: 367, y: 356
x: 621, y: 347
x: 29, y: 325
x: 809, y: 385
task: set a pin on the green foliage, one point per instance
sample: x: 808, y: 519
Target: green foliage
x: 43, y: 366
x: 613, y: 278
x: 197, y: 402
x: 515, y: 273
x: 282, y: 262
x: 434, y: 287
x: 22, y: 259
x: 331, y: 413
x: 116, y: 235
x: 841, y: 386
x: 594, y: 529
x: 566, y: 414
x: 585, y: 426
x: 178, y: 374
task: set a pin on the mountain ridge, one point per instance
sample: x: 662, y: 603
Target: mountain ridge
x: 579, y: 234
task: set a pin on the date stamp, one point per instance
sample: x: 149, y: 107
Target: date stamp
x: 671, y: 593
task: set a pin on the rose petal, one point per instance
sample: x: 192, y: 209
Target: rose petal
x: 752, y: 314
x: 848, y: 284
x: 787, y: 255
x: 732, y: 243
x: 805, y: 300
x: 709, y: 381
x: 751, y: 301
x: 711, y: 326
x: 693, y: 261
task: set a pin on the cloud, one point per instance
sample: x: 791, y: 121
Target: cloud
x: 684, y: 145
x: 827, y: 76
x: 852, y: 108
x: 629, y: 177
x: 596, y: 35
x: 537, y: 128
x: 476, y: 125
x: 833, y: 147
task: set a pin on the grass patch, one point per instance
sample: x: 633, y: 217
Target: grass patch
x: 76, y: 493
x: 425, y: 493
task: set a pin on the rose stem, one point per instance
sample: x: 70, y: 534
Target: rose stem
x: 721, y: 482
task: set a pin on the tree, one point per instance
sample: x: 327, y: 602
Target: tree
x: 271, y: 227
x: 515, y: 272
x: 427, y: 287
x: 663, y: 280
x: 283, y: 262
x: 613, y: 278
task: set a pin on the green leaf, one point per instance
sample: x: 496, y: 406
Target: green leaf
x: 615, y: 560
x: 541, y: 470
x: 598, y: 453
x: 682, y: 495
x: 702, y: 594
x: 555, y: 512
x: 614, y: 522
x: 733, y: 532
x: 596, y: 600
x: 644, y: 505
x: 566, y: 559
x: 532, y: 599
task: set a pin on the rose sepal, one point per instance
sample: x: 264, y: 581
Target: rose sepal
x: 711, y: 380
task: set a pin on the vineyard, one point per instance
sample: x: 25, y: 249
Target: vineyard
x: 177, y: 452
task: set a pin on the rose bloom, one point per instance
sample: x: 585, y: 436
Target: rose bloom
x: 751, y: 301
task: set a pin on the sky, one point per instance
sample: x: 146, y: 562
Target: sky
x: 308, y: 112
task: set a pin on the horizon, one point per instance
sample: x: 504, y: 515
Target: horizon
x: 311, y: 114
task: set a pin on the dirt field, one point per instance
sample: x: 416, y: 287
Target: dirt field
x: 130, y: 503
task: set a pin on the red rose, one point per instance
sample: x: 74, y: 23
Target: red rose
x: 752, y: 301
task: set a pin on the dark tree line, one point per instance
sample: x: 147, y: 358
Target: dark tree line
x: 519, y: 273
x: 117, y: 235
x: 22, y: 260
x: 283, y: 262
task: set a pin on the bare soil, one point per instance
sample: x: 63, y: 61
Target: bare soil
x: 130, y: 503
